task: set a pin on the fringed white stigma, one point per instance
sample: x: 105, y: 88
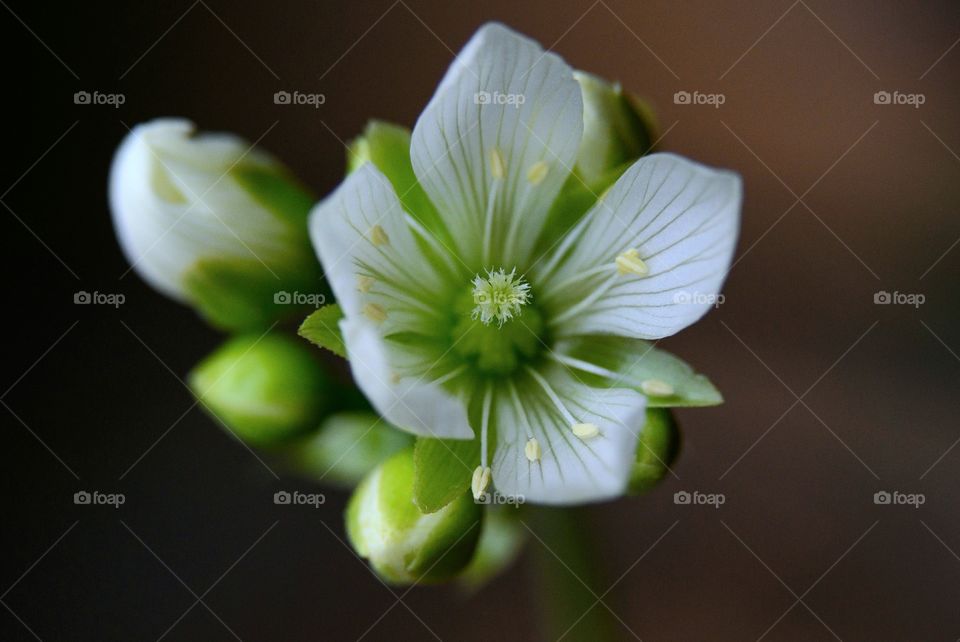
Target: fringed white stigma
x: 499, y: 296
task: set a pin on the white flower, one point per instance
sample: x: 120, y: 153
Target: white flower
x: 437, y: 357
x: 207, y: 219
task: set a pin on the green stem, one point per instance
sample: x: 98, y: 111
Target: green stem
x: 566, y: 562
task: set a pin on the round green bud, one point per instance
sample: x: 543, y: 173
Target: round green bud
x: 657, y: 450
x: 402, y: 544
x: 265, y: 389
x: 349, y: 445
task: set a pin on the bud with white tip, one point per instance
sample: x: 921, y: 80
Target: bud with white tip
x: 403, y: 544
x: 210, y: 220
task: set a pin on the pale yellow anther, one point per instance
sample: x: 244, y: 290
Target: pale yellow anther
x: 480, y: 481
x: 585, y: 431
x: 656, y: 388
x: 378, y: 236
x: 498, y: 165
x: 375, y: 312
x: 629, y: 262
x: 537, y: 172
x: 532, y: 450
x: 364, y: 283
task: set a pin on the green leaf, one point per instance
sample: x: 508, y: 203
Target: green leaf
x: 442, y: 470
x: 636, y: 361
x: 323, y: 329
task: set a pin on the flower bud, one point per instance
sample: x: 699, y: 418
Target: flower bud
x: 618, y: 128
x: 657, y: 450
x: 402, y: 544
x: 500, y: 543
x: 349, y: 445
x: 265, y: 389
x: 209, y: 220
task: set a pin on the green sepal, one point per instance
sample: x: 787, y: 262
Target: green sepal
x: 657, y: 450
x: 322, y: 328
x: 266, y: 389
x: 347, y: 446
x: 443, y: 469
x: 500, y: 544
x: 636, y: 361
x: 278, y: 191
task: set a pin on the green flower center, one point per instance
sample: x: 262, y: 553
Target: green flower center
x: 497, y: 327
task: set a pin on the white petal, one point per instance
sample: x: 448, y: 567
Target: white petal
x: 360, y: 232
x: 409, y: 402
x: 681, y: 217
x: 505, y: 105
x: 570, y: 470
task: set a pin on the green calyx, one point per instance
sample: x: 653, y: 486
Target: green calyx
x: 657, y: 450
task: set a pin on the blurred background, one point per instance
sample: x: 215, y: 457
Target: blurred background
x: 830, y: 397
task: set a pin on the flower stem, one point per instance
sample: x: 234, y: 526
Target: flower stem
x: 566, y: 563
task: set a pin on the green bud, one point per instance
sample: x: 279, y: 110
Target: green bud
x: 349, y: 445
x: 402, y: 544
x: 657, y: 450
x: 500, y: 544
x: 210, y: 220
x: 265, y: 389
x: 618, y: 128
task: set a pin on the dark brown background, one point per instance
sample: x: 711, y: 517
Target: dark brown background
x: 879, y: 205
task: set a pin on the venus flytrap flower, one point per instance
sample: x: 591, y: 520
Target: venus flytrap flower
x: 209, y: 220
x: 457, y: 326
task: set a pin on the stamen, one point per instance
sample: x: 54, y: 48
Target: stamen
x: 364, y: 283
x: 585, y: 431
x: 656, y: 388
x: 532, y: 450
x: 537, y: 172
x: 378, y: 236
x: 375, y: 312
x: 499, y: 296
x: 480, y: 481
x: 554, y: 397
x: 498, y: 166
x: 629, y: 262
x: 586, y: 302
